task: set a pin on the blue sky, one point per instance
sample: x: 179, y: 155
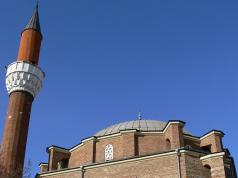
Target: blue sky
x: 106, y: 60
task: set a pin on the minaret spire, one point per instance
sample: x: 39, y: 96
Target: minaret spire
x: 23, y: 82
x: 34, y: 22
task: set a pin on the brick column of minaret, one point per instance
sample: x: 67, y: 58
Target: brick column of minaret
x: 23, y: 81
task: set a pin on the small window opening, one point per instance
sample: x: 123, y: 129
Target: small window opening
x: 207, y: 148
x: 168, y: 144
x: 207, y: 167
x: 109, y: 152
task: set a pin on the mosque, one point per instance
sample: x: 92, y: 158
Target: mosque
x: 140, y: 148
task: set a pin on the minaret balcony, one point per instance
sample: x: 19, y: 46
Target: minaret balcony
x: 24, y: 76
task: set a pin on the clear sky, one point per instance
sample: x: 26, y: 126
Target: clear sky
x: 106, y: 60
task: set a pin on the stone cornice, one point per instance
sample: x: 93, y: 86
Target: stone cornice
x: 211, y: 133
x: 60, y: 149
x: 214, y: 155
x: 173, y: 122
x: 43, y: 164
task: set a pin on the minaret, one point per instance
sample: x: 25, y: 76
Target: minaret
x: 23, y: 82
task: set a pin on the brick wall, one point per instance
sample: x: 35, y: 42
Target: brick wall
x: 150, y: 168
x: 195, y: 168
x: 85, y: 154
x: 157, y: 166
x: 151, y: 143
x: 129, y: 144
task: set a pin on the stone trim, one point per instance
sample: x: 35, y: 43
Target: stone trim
x: 172, y: 122
x: 23, y: 76
x: 88, y: 139
x: 58, y: 149
x: 128, y: 131
x: 76, y: 147
x: 82, y: 143
x: 214, y: 155
x: 149, y: 133
x: 212, y: 132
x: 109, y: 136
x: 43, y: 164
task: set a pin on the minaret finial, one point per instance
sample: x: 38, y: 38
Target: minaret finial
x: 37, y: 4
x: 139, y: 115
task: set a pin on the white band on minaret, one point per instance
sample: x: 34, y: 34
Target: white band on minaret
x: 23, y: 76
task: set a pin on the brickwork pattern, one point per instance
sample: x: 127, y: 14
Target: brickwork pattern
x: 195, y: 168
x: 217, y: 167
x: 151, y: 144
x: 159, y: 167
x: 83, y: 155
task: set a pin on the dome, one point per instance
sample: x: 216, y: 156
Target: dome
x: 141, y: 125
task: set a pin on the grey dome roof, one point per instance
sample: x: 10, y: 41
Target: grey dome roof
x: 141, y: 125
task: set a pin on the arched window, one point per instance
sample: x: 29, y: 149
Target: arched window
x: 208, y: 171
x: 62, y: 164
x: 168, y: 144
x: 109, y: 152
x: 207, y: 167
